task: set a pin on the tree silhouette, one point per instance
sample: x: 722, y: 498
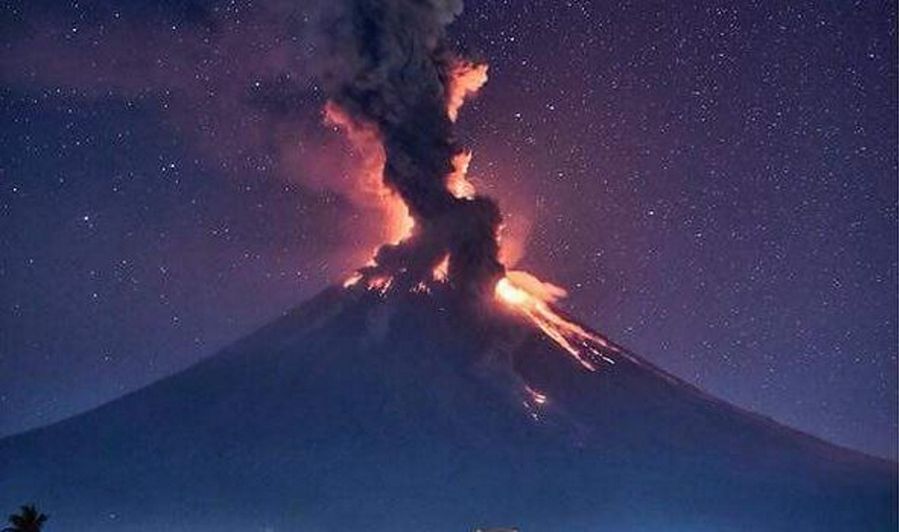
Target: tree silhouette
x: 29, y: 519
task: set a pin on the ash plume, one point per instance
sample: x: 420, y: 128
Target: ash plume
x: 389, y: 67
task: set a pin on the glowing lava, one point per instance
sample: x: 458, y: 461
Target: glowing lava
x: 537, y: 397
x: 532, y: 298
x: 441, y: 271
x: 518, y: 291
x: 380, y: 284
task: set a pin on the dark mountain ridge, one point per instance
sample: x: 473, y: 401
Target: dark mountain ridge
x: 359, y: 411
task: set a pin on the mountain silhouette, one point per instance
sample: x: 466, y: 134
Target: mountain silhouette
x: 415, y: 412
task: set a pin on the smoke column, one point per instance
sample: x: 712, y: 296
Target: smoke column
x: 389, y: 69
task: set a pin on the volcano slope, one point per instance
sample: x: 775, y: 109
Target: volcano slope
x: 360, y: 411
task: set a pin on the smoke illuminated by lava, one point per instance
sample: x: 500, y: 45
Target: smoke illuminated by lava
x: 465, y: 79
x: 370, y: 176
x: 396, y: 91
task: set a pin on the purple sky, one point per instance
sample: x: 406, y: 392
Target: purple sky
x: 714, y: 183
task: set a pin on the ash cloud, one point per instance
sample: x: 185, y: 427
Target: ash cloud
x: 388, y: 64
x: 243, y: 85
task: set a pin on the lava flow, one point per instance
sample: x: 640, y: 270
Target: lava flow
x: 532, y: 297
x: 396, y: 95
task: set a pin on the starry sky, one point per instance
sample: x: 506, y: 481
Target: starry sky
x: 715, y: 182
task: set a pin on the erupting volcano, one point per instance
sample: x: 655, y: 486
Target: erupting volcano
x: 393, y: 76
x: 435, y: 389
x: 396, y: 90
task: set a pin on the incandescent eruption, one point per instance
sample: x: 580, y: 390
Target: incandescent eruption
x: 382, y: 406
x: 391, y: 73
x: 396, y: 90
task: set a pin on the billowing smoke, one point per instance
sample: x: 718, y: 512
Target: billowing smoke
x: 389, y: 68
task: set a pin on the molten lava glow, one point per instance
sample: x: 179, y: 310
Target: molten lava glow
x: 531, y: 297
x: 380, y: 284
x: 536, y: 396
x: 441, y: 271
x: 352, y: 280
x: 466, y: 79
x: 519, y: 291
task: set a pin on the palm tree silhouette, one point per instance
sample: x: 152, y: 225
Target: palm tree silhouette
x: 29, y: 519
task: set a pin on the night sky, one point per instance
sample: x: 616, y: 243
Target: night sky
x: 715, y: 183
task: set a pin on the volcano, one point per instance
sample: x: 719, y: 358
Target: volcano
x: 436, y: 390
x: 408, y: 410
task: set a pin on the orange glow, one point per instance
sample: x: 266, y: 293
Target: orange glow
x: 441, y: 271
x: 512, y: 238
x: 465, y: 79
x: 457, y: 181
x: 398, y: 223
x: 352, y: 280
x: 401, y: 221
x: 520, y: 291
x: 531, y: 297
x: 380, y: 284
